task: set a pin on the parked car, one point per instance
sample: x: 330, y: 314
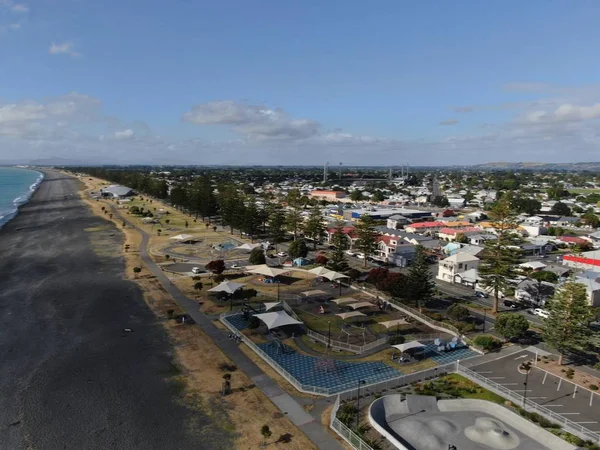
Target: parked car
x: 541, y: 312
x: 481, y: 294
x: 510, y: 304
x: 360, y: 255
x: 236, y: 266
x: 197, y: 270
x: 282, y: 254
x: 350, y: 253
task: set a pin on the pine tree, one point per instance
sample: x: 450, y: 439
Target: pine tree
x: 298, y: 249
x: 366, y: 243
x: 250, y: 222
x: 419, y: 285
x: 566, y: 329
x: 500, y: 256
x: 276, y: 224
x: 314, y: 228
x: 338, y: 262
x: 293, y: 222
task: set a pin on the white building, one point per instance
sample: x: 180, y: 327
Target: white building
x: 456, y: 264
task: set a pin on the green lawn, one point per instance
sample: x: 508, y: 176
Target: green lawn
x: 455, y: 385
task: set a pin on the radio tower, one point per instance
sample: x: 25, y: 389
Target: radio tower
x: 325, y: 172
x: 390, y: 175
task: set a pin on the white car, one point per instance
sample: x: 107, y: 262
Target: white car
x: 282, y: 254
x: 350, y: 253
x: 541, y: 312
x: 196, y: 270
x: 360, y: 255
x: 236, y: 266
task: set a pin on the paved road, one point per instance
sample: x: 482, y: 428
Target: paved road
x: 289, y: 405
x: 70, y: 376
x: 558, y: 395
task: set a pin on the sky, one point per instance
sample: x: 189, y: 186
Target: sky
x: 300, y: 82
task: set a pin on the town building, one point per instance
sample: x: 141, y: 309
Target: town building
x: 585, y: 261
x: 116, y: 191
x: 327, y: 195
x: 456, y: 264
x: 385, y: 213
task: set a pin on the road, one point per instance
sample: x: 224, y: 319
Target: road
x: 71, y: 377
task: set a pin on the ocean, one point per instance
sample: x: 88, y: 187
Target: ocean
x: 16, y: 187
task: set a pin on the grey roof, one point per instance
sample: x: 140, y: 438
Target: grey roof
x: 568, y: 219
x: 118, y: 191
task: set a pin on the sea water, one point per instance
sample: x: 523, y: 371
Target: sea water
x: 16, y: 187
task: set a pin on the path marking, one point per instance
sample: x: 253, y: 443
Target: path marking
x: 575, y: 391
x: 569, y: 414
x: 559, y: 383
x: 509, y: 384
x: 524, y: 390
x: 522, y: 356
x: 495, y: 378
x: 532, y: 398
x: 545, y: 375
x: 587, y: 422
x: 486, y: 372
x: 549, y: 406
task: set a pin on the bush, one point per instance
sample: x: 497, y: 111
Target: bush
x: 487, y: 342
x: 593, y: 387
x: 219, y: 278
x: 458, y: 312
x: 570, y: 373
x: 321, y: 260
x: 395, y: 340
x: 511, y: 326
x: 257, y: 256
x: 465, y: 327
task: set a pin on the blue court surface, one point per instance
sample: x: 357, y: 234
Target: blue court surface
x: 450, y: 356
x: 237, y: 321
x: 327, y: 373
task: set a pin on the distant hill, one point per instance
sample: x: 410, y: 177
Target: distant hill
x: 550, y: 167
x: 54, y: 161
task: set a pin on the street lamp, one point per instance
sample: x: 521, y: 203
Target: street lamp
x: 329, y: 334
x: 484, y: 316
x: 525, y: 391
x: 277, y: 289
x: 358, y: 401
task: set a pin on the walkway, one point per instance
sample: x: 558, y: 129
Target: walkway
x: 287, y: 404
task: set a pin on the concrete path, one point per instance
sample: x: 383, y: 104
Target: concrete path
x: 288, y: 405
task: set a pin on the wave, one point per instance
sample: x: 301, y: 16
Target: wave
x: 6, y: 216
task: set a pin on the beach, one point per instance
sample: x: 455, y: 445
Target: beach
x: 72, y: 376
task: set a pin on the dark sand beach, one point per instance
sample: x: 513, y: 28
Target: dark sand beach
x: 70, y: 376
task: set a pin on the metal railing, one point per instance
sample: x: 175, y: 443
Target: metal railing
x: 529, y: 405
x: 358, y: 349
x: 344, y: 432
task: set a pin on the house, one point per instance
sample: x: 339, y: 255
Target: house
x: 469, y: 278
x: 563, y: 221
x: 449, y: 234
x: 534, y: 291
x: 404, y: 255
x: 574, y: 240
x: 424, y: 227
x: 534, y: 221
x: 536, y: 266
x: 480, y: 239
x: 348, y: 231
x: 591, y: 281
x: 449, y: 267
x: 395, y: 250
x: 396, y: 221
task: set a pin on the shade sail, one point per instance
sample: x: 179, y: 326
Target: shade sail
x: 271, y: 305
x: 332, y: 276
x: 248, y: 247
x: 277, y: 319
x: 341, y: 301
x: 393, y: 323
x: 408, y: 345
x: 315, y: 293
x: 318, y: 271
x: 182, y: 237
x: 263, y: 269
x: 227, y: 286
x: 361, y: 305
x: 347, y: 315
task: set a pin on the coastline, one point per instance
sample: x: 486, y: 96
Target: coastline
x: 22, y: 199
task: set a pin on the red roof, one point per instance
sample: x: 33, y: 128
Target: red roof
x: 582, y: 260
x: 350, y: 231
x: 427, y: 225
x: 573, y: 240
x: 387, y: 240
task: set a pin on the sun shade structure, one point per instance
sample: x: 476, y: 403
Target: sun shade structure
x: 361, y: 305
x: 227, y: 286
x: 392, y: 323
x: 248, y: 247
x: 332, y: 276
x: 265, y: 270
x: 315, y: 293
x: 347, y: 315
x: 408, y: 345
x: 318, y: 271
x: 277, y: 319
x: 341, y: 301
x: 182, y: 237
x: 271, y: 305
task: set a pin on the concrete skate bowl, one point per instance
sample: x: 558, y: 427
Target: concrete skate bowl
x: 424, y: 423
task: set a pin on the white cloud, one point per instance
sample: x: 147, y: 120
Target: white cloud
x: 449, y: 122
x: 564, y: 113
x: 19, y: 8
x: 64, y: 48
x: 255, y: 121
x: 125, y: 134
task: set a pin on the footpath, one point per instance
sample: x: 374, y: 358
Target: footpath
x: 287, y: 404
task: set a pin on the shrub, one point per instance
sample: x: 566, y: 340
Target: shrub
x: 395, y: 340
x: 465, y: 327
x: 593, y: 387
x: 458, y: 312
x: 570, y: 373
x: 487, y: 342
x: 321, y: 260
x: 219, y: 278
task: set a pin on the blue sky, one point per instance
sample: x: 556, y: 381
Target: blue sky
x: 382, y: 82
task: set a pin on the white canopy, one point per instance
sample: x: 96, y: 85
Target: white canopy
x: 392, y: 323
x: 341, y: 301
x: 248, y: 247
x: 318, y: 271
x: 360, y: 305
x: 271, y: 305
x: 314, y: 293
x: 182, y: 237
x: 227, y: 286
x: 408, y: 345
x: 277, y: 319
x: 332, y: 276
x: 347, y: 315
x: 263, y: 269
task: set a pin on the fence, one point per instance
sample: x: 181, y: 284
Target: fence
x: 344, y: 432
x: 358, y: 349
x: 529, y: 405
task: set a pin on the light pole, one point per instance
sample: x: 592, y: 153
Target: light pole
x: 525, y: 391
x: 484, y: 316
x: 358, y: 402
x: 329, y: 334
x: 277, y: 289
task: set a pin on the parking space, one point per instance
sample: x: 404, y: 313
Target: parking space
x: 559, y: 395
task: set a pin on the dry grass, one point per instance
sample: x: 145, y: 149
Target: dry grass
x: 202, y: 364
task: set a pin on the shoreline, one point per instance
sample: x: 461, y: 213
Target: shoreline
x: 24, y: 198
